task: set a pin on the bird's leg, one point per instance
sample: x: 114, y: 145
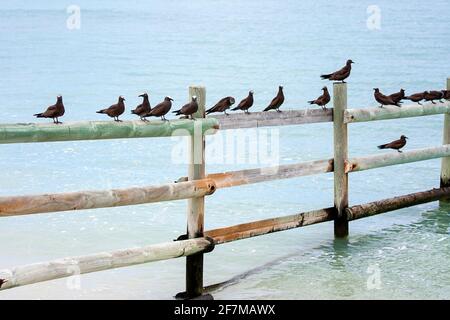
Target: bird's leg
x: 433, y: 102
x: 54, y: 121
x: 381, y: 106
x: 278, y: 110
x: 441, y: 101
x: 400, y: 151
x: 420, y: 103
x: 225, y: 112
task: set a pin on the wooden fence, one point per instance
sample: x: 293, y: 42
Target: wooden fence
x: 198, y: 184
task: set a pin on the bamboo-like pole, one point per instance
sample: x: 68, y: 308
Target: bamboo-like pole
x: 445, y: 166
x: 393, y: 112
x: 393, y: 158
x: 21, y: 205
x: 67, y: 267
x: 268, y: 119
x: 94, y: 130
x: 261, y: 227
x: 196, y: 206
x: 340, y: 156
x: 81, y: 200
x: 385, y: 205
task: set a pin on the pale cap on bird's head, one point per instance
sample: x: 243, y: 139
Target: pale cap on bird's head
x: 121, y: 98
x: 169, y: 98
x: 231, y: 100
x: 194, y: 98
x: 251, y: 92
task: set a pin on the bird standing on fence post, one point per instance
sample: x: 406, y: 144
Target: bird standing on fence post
x: 115, y: 110
x: 144, y: 108
x: 323, y: 99
x: 222, y: 106
x: 276, y: 102
x: 396, y: 144
x: 398, y: 96
x: 384, y: 100
x: 161, y: 109
x: 246, y: 103
x: 416, y: 97
x: 433, y: 95
x: 55, y: 111
x: 188, y: 109
x: 341, y: 74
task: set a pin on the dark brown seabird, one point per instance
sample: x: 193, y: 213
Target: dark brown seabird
x: 161, y: 109
x: 222, y: 106
x: 433, y: 95
x: 323, y: 99
x: 384, y: 100
x: 55, y: 111
x: 416, y: 97
x: 246, y: 103
x: 341, y: 74
x: 398, y: 96
x: 144, y: 108
x: 188, y: 109
x: 115, y: 110
x: 396, y: 144
x: 276, y: 102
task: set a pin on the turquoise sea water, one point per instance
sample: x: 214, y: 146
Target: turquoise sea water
x: 230, y: 47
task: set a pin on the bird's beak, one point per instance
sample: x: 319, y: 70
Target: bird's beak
x: 352, y: 62
x: 141, y: 95
x: 170, y: 99
x: 406, y: 138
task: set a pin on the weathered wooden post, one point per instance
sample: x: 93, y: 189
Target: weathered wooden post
x: 340, y: 156
x: 445, y: 166
x: 196, y: 206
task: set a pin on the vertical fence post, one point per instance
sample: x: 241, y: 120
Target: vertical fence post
x: 196, y: 206
x: 445, y: 166
x: 340, y: 156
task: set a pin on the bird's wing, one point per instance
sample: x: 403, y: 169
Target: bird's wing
x: 50, y: 111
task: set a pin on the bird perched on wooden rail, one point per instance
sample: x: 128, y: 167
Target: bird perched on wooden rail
x: 144, y: 108
x: 55, y: 111
x: 396, y: 144
x: 188, y: 109
x: 222, y: 106
x: 384, y: 100
x: 161, y: 109
x: 398, y: 96
x: 446, y: 94
x: 341, y: 74
x: 115, y: 110
x: 416, y: 97
x: 246, y: 103
x: 2, y: 282
x: 276, y: 102
x: 323, y: 99
x: 433, y: 95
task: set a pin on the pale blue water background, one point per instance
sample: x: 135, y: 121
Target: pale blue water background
x: 230, y: 47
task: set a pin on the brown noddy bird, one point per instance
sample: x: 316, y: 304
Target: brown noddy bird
x: 396, y: 144
x: 341, y: 74
x: 188, y: 109
x: 2, y: 282
x: 276, y: 102
x: 446, y: 94
x: 384, y: 100
x: 115, y: 110
x: 55, y: 111
x: 144, y: 108
x: 416, y: 97
x: 433, y: 95
x: 398, y: 96
x: 246, y: 103
x: 323, y: 99
x: 161, y: 109
x: 222, y: 106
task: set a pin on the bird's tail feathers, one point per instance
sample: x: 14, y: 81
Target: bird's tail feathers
x: 326, y: 76
x: 311, y: 102
x: 383, y: 146
x: 39, y: 115
x: 101, y: 111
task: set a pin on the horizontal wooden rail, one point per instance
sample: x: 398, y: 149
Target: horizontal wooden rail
x: 381, y: 206
x: 261, y: 227
x: 21, y: 205
x: 393, y: 158
x: 67, y: 267
x: 272, y: 118
x: 393, y: 112
x: 94, y: 130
